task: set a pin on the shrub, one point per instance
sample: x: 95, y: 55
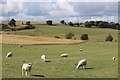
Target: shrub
x: 69, y: 35
x: 109, y: 38
x: 28, y: 23
x: 75, y: 38
x: 57, y: 37
x: 84, y: 37
x: 5, y: 27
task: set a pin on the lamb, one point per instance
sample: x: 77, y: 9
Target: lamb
x: 113, y: 58
x: 82, y: 63
x: 64, y: 55
x: 26, y: 68
x: 9, y: 55
x: 43, y: 58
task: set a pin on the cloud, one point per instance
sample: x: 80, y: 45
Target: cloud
x: 62, y: 0
x: 103, y: 18
x: 9, y: 9
x: 95, y: 8
x: 60, y: 9
x: 33, y: 9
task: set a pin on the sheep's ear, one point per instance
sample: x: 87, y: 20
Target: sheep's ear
x: 30, y: 63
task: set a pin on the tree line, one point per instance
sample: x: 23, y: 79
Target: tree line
x: 87, y: 24
x: 102, y: 24
x: 91, y: 24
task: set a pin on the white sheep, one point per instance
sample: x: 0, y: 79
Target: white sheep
x: 81, y: 46
x: 64, y: 55
x: 43, y: 58
x: 81, y: 49
x: 82, y: 63
x: 9, y: 55
x: 113, y: 58
x: 26, y: 68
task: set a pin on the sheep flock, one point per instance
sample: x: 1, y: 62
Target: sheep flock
x: 27, y: 67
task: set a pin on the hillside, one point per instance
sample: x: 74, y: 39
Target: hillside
x: 96, y: 51
x: 95, y: 34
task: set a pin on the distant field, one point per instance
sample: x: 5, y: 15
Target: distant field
x: 97, y: 52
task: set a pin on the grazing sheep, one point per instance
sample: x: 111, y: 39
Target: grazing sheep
x: 64, y: 55
x: 81, y: 46
x: 82, y: 63
x: 81, y: 49
x: 43, y: 58
x: 113, y: 58
x: 9, y: 55
x: 26, y: 68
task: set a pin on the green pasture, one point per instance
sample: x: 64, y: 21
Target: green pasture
x: 96, y: 51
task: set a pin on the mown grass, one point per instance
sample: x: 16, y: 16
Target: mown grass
x: 98, y: 54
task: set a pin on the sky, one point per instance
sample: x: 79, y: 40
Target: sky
x: 56, y: 10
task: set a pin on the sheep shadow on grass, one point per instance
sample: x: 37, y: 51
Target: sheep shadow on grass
x: 87, y: 69
x: 47, y: 61
x: 38, y: 76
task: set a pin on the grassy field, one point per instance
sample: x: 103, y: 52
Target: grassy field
x: 98, y: 54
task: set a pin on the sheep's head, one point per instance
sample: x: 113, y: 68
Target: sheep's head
x: 113, y: 58
x: 30, y: 64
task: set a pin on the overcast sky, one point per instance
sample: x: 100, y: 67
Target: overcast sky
x: 56, y: 10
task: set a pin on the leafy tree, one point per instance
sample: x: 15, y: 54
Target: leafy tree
x: 96, y: 23
x: 104, y: 25
x: 77, y: 24
x: 117, y: 26
x: 92, y: 23
x: 112, y: 25
x: 87, y: 24
x: 70, y: 23
x: 62, y: 22
x: 12, y: 22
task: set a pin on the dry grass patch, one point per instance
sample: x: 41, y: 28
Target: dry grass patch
x: 31, y: 40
